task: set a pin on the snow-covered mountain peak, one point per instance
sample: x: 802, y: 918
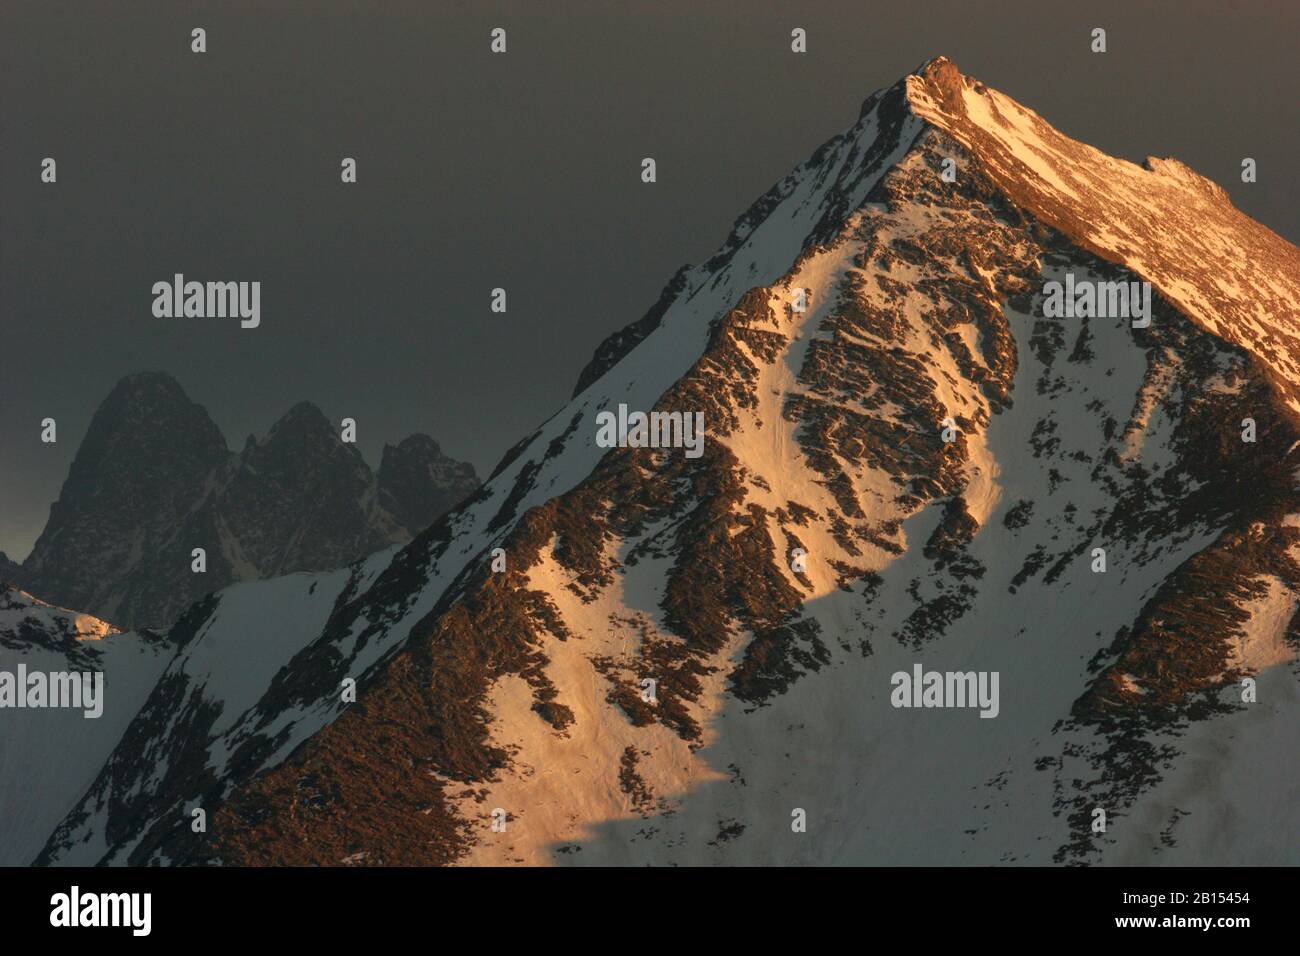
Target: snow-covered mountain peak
x: 638, y: 655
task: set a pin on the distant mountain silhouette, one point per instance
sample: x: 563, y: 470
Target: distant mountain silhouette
x: 153, y: 480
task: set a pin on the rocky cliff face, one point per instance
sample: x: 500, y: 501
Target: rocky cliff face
x: 10, y: 570
x: 631, y: 655
x: 154, y: 480
x: 418, y: 484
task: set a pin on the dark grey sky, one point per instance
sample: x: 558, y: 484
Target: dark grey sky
x: 476, y: 171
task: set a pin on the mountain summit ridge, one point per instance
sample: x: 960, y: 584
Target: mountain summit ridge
x: 1151, y: 218
x: 938, y: 95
